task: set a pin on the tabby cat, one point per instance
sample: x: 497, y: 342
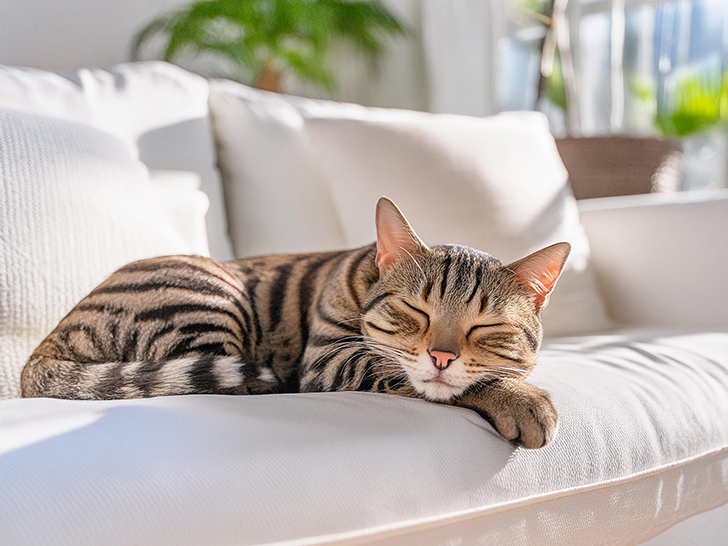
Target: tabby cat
x: 448, y: 324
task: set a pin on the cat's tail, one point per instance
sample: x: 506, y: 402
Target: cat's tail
x: 48, y: 377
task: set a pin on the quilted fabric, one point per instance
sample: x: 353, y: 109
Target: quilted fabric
x: 643, y: 444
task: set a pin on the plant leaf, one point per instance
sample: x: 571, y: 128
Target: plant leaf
x: 296, y: 34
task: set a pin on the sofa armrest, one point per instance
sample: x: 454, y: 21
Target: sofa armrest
x: 661, y: 260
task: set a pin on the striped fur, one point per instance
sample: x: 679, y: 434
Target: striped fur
x: 362, y: 319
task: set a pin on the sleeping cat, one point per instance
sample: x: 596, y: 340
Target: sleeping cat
x: 448, y: 324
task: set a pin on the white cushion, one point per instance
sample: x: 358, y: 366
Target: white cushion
x: 642, y: 444
x: 661, y: 259
x: 76, y: 205
x: 302, y: 174
x: 186, y: 206
x: 159, y: 109
x: 277, y: 196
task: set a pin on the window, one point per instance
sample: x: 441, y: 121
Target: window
x: 642, y: 67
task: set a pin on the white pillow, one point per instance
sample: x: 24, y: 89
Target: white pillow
x: 159, y: 109
x: 276, y: 193
x: 76, y: 205
x: 495, y: 183
x: 186, y: 206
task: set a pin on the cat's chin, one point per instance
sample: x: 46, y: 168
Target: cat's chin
x: 437, y: 390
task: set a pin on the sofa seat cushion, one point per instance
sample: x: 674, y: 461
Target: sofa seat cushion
x: 642, y: 445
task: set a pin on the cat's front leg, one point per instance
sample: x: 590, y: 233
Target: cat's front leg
x: 521, y: 413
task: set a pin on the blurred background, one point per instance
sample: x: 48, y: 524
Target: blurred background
x: 636, y: 90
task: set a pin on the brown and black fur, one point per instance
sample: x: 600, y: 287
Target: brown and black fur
x: 346, y: 320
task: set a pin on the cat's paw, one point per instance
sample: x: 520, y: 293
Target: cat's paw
x: 527, y: 419
x: 521, y: 413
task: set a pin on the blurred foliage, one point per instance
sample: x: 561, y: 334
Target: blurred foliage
x: 527, y: 11
x: 699, y: 103
x: 552, y: 86
x: 259, y: 36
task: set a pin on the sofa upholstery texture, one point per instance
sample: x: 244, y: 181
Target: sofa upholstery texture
x: 643, y: 437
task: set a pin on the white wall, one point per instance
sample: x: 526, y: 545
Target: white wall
x: 61, y: 34
x: 442, y: 67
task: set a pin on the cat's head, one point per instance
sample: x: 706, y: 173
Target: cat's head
x: 452, y: 316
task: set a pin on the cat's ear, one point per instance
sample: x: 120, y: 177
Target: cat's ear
x: 395, y: 237
x: 540, y: 271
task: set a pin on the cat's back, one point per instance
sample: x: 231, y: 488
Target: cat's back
x: 282, y: 281
x: 276, y: 267
x: 171, y: 307
x: 144, y: 291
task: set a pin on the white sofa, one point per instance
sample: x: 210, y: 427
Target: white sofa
x: 641, y: 454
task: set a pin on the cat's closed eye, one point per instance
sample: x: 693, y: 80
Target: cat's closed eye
x: 422, y: 314
x: 480, y: 328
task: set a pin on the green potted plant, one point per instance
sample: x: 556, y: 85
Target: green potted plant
x: 700, y: 103
x: 264, y: 39
x: 556, y: 81
x: 696, y: 112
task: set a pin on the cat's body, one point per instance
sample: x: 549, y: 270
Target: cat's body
x: 449, y: 324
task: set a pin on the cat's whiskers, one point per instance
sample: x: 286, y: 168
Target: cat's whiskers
x: 382, y: 347
x: 507, y: 370
x: 349, y: 320
x: 390, y: 354
x: 339, y: 347
x: 373, y: 341
x: 387, y: 348
x: 490, y: 369
x: 514, y: 373
x: 393, y: 353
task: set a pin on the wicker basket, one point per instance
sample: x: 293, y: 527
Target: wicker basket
x: 609, y: 166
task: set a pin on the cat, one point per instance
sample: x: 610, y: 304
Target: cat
x: 449, y: 324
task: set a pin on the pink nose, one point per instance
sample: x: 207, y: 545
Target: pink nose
x: 442, y: 359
